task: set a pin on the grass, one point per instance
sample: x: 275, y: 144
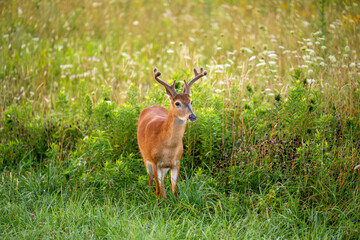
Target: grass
x: 31, y: 209
x: 273, y: 154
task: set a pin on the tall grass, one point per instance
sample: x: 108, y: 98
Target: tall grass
x: 273, y: 154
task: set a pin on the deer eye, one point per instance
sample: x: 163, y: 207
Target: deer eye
x: 177, y: 104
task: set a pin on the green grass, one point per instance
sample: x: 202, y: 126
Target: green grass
x: 274, y: 153
x: 32, y: 209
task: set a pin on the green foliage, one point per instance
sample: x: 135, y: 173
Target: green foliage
x: 276, y: 139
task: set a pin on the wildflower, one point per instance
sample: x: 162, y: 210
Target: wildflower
x: 66, y: 66
x: 260, y: 64
x: 96, y: 4
x: 272, y: 62
x: 170, y: 51
x: 272, y: 55
x: 252, y: 58
x: 332, y: 58
x: 248, y: 50
x: 306, y: 57
x: 310, y: 81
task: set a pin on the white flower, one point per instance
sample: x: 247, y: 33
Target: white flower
x: 218, y: 90
x: 352, y: 64
x: 170, y: 51
x: 306, y: 57
x: 268, y: 90
x: 96, y: 4
x: 272, y: 62
x: 248, y: 50
x: 66, y: 66
x: 332, y: 58
x: 272, y: 55
x: 311, y: 81
x: 252, y: 58
x: 271, y: 94
x: 260, y: 64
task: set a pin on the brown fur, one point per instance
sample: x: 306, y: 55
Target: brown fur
x: 160, y: 134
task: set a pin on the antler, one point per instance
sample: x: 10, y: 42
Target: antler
x: 170, y: 90
x: 187, y: 86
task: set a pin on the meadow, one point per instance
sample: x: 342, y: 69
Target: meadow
x: 274, y: 153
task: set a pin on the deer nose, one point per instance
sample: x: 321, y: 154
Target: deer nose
x: 192, y: 117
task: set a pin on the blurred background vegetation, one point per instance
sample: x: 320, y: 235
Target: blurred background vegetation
x: 277, y: 135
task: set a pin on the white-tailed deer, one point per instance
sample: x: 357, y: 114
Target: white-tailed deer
x: 160, y: 133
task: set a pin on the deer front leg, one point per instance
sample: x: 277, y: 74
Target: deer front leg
x: 174, y: 177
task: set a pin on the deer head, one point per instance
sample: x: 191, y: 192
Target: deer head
x: 181, y: 104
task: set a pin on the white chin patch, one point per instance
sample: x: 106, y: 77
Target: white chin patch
x: 181, y: 120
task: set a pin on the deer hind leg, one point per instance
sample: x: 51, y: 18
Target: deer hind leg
x: 174, y: 177
x: 150, y: 172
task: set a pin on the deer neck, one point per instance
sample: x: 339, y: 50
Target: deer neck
x: 173, y: 129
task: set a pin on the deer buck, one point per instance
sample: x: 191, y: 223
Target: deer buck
x: 160, y: 133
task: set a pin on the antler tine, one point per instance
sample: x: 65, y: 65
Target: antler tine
x: 187, y: 87
x: 170, y: 89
